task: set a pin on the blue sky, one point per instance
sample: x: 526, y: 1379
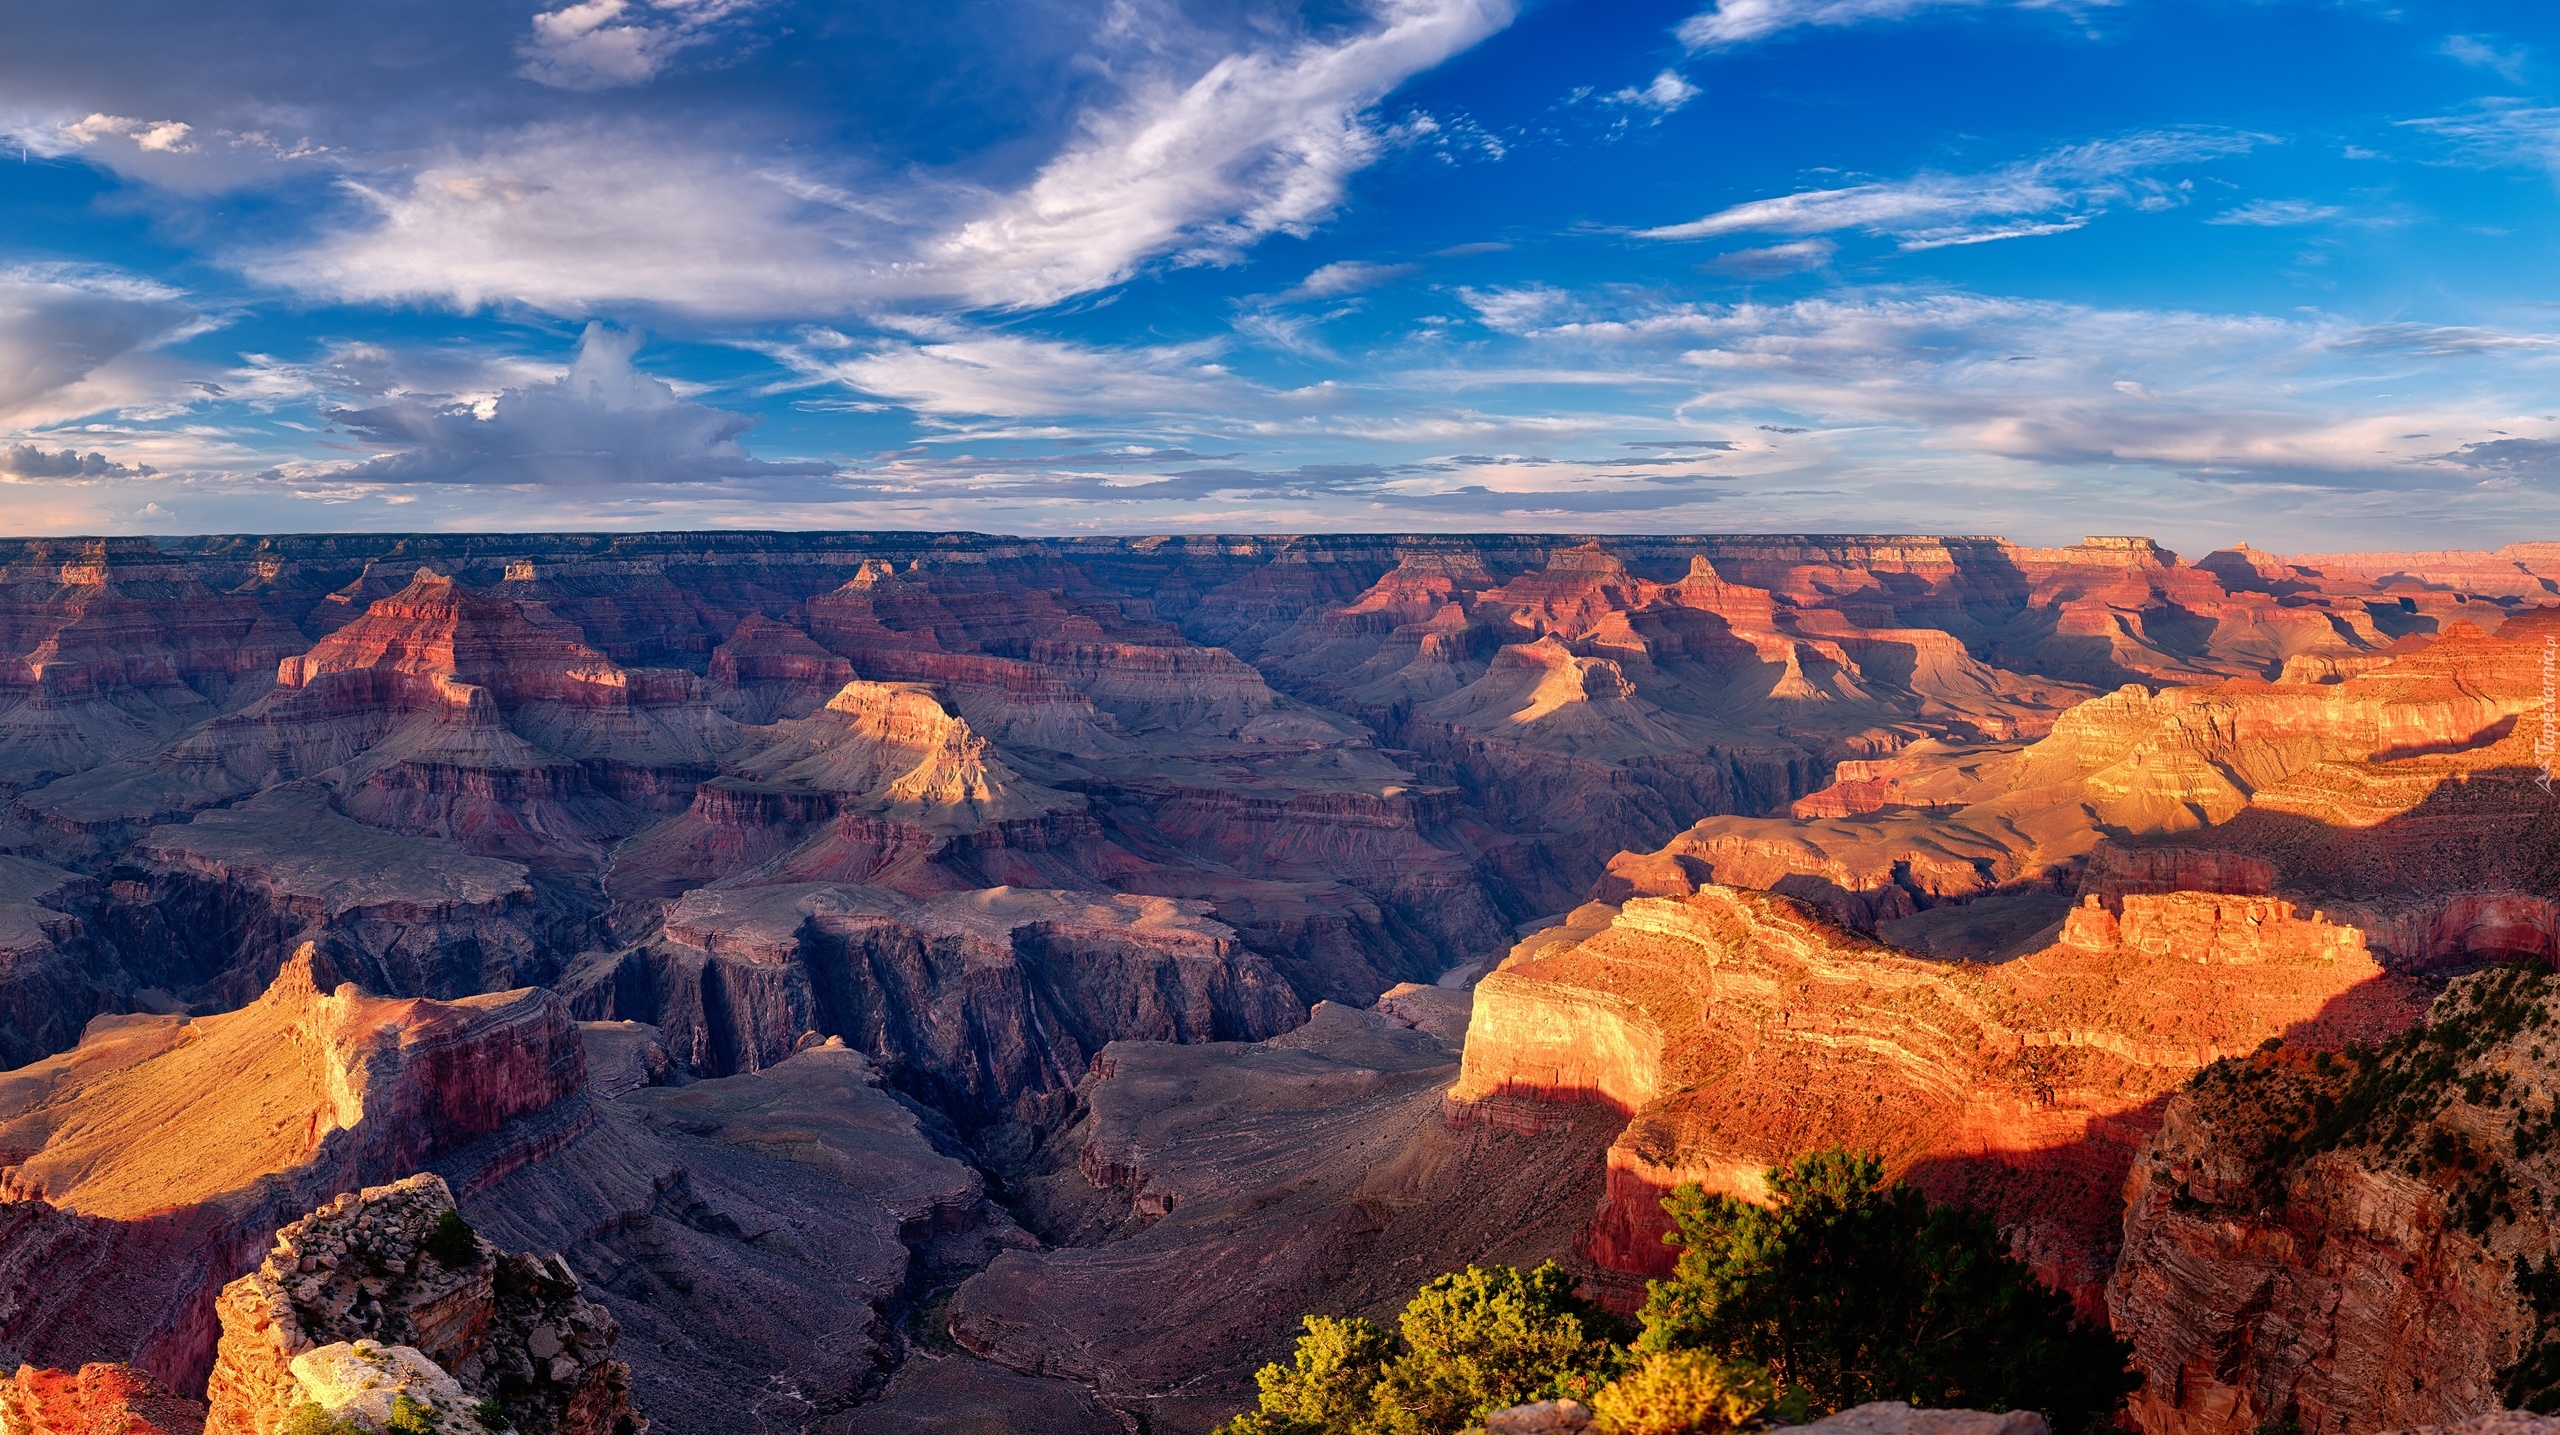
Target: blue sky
x: 2273, y: 270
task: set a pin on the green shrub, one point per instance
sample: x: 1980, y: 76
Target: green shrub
x: 411, y: 1417
x: 1469, y: 1343
x: 453, y: 1242
x: 309, y: 1419
x: 1689, y: 1392
x: 1859, y: 1290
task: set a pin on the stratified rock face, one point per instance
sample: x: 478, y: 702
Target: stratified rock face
x: 980, y: 808
x: 2402, y: 800
x: 989, y: 1003
x: 1738, y: 1029
x: 94, y: 1400
x: 1211, y: 1193
x: 381, y: 1276
x: 758, y: 1237
x: 2355, y: 1244
x: 141, y: 1169
x: 108, y: 647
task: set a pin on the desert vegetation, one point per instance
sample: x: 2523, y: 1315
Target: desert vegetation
x: 1845, y: 1288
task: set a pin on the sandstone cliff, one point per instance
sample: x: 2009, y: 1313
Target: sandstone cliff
x: 2354, y: 1243
x: 141, y: 1169
x: 1736, y: 1029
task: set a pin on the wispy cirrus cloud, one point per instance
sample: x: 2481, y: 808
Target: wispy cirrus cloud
x: 2052, y: 193
x: 76, y: 341
x: 1191, y: 162
x: 2506, y: 63
x: 2278, y: 213
x: 1738, y: 22
x: 2066, y: 386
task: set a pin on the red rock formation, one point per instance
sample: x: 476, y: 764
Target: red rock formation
x: 152, y: 1159
x: 2222, y: 788
x: 1736, y: 1030
x: 511, y: 1329
x: 989, y: 1003
x: 94, y: 1400
x: 2352, y: 1245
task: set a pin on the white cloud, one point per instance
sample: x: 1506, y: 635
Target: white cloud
x: 78, y: 341
x: 2500, y: 133
x: 2055, y: 192
x: 573, y: 219
x: 601, y: 44
x: 27, y: 461
x: 1736, y: 22
x: 1772, y: 261
x: 956, y: 372
x: 603, y: 423
x: 157, y: 136
x: 2274, y: 213
x: 1190, y: 164
x: 2066, y: 385
x: 1667, y: 92
x: 1260, y: 144
x: 2480, y: 54
x: 1347, y: 276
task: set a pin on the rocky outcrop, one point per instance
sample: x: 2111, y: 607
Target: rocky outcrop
x: 2354, y: 1244
x: 392, y: 1277
x: 989, y: 1004
x: 1735, y: 1030
x: 94, y: 1400
x: 139, y: 1170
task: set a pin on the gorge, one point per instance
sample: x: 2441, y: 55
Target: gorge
x: 902, y: 980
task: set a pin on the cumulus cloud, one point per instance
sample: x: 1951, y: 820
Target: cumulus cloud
x: 600, y: 44
x: 1667, y: 92
x: 2535, y: 458
x: 2059, y: 191
x: 157, y: 136
x: 80, y: 341
x: 27, y: 461
x: 602, y: 424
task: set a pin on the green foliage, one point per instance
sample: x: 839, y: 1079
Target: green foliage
x: 1848, y: 1289
x: 1859, y: 1290
x: 1488, y: 1337
x: 1471, y: 1342
x: 492, y: 1416
x: 1327, y: 1386
x: 309, y: 1418
x: 453, y: 1242
x: 411, y: 1417
x: 1690, y: 1392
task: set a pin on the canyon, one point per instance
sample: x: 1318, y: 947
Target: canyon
x: 905, y: 980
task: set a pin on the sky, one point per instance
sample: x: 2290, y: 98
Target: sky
x: 2274, y: 271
